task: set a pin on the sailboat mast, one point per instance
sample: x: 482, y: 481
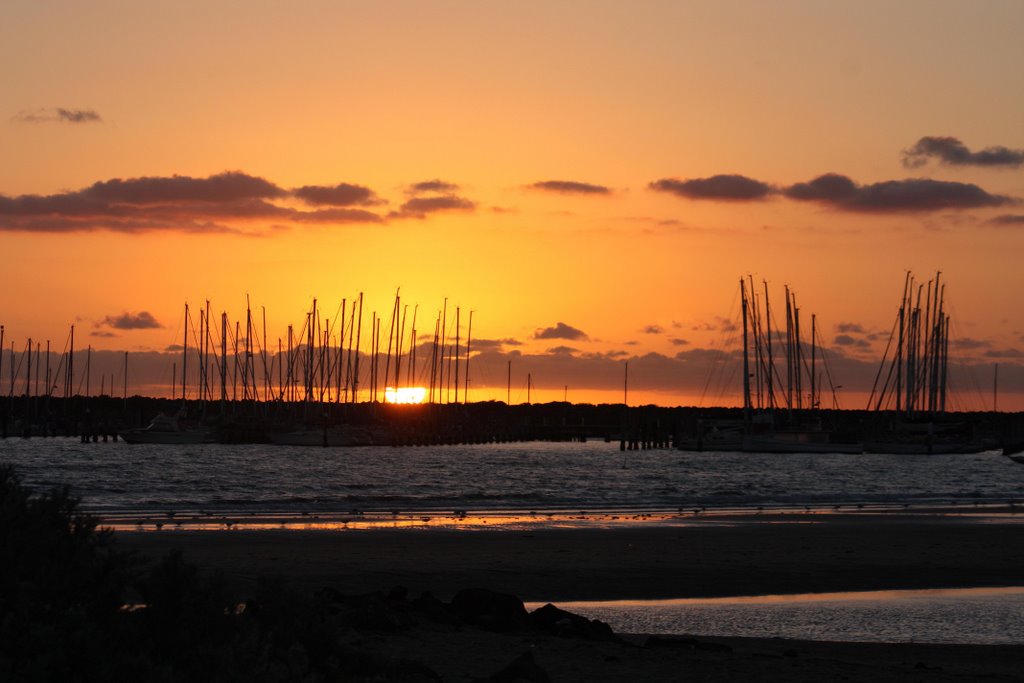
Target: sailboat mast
x: 355, y: 364
x: 440, y: 358
x: 399, y: 341
x: 184, y: 357
x: 469, y: 336
x: 798, y: 357
x: 746, y: 356
x: 770, y: 364
x: 433, y: 357
x: 412, y: 348
x: 223, y: 360
x: 69, y: 378
x: 814, y: 350
x: 457, y: 329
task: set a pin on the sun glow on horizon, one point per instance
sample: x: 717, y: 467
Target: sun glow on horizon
x: 405, y: 395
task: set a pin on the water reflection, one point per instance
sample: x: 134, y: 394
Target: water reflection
x: 971, y: 615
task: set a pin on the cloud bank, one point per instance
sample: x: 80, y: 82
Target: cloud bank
x: 952, y: 152
x: 729, y: 188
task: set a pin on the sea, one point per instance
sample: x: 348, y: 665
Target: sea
x: 118, y: 478
x: 585, y: 483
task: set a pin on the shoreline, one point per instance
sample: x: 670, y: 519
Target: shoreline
x: 523, y: 519
x: 702, y: 557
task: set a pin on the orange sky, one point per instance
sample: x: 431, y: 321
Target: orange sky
x: 493, y: 99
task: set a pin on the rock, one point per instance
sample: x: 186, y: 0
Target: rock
x: 569, y: 625
x: 491, y: 610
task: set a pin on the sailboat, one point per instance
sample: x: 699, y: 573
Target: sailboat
x: 173, y: 429
x: 778, y: 417
x: 916, y: 377
x: 168, y: 429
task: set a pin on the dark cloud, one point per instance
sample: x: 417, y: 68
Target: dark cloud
x: 847, y: 328
x: 106, y: 334
x: 560, y: 331
x: 143, y: 320
x: 57, y: 115
x: 420, y: 207
x: 908, y: 195
x: 1007, y: 220
x: 563, y: 350
x: 342, y: 194
x: 718, y: 187
x: 231, y: 186
x: 653, y: 329
x: 851, y: 342
x: 216, y: 204
x: 435, y: 185
x: 570, y: 187
x: 174, y: 348
x: 951, y: 151
x: 492, y: 344
x: 676, y: 341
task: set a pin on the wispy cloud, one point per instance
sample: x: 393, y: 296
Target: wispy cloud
x: 570, y: 187
x: 57, y: 115
x: 435, y: 185
x: 1007, y: 220
x: 952, y: 152
x: 420, y: 207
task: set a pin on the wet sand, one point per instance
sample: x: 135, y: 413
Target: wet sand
x: 705, y: 557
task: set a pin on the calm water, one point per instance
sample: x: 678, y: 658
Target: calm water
x: 118, y: 477
x: 983, y: 616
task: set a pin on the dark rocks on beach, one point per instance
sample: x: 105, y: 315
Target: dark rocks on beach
x: 491, y: 610
x: 567, y: 624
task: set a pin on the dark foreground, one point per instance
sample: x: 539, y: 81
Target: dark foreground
x: 716, y: 557
x: 80, y: 604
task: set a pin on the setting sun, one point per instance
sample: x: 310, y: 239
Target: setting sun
x: 405, y: 394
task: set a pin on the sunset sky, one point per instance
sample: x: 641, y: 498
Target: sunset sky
x: 591, y: 178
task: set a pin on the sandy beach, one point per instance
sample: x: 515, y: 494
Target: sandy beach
x: 720, y: 556
x: 709, y: 557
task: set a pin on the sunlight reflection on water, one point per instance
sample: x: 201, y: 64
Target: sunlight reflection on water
x: 972, y: 615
